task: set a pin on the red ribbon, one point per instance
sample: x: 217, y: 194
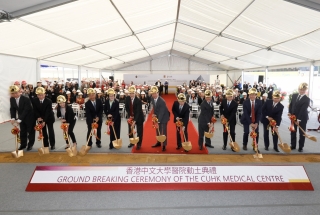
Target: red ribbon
x: 253, y: 135
x: 95, y: 126
x: 108, y: 123
x: 224, y: 122
x: 179, y: 125
x: 155, y: 124
x: 39, y: 128
x: 273, y: 124
x: 293, y: 118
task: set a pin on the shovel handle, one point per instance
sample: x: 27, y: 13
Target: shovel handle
x: 89, y: 137
x: 229, y: 135
x: 16, y: 140
x: 114, y: 132
x: 279, y: 137
x: 301, y: 129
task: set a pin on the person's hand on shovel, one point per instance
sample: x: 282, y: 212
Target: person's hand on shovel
x: 97, y: 119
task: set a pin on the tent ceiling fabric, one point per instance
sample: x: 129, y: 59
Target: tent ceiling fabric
x: 115, y: 34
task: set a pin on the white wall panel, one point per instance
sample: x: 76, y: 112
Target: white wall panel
x: 85, y: 21
x: 142, y: 14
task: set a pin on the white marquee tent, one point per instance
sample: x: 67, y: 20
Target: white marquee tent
x: 114, y: 34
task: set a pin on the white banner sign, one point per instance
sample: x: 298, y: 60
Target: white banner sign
x: 172, y: 177
x: 173, y: 80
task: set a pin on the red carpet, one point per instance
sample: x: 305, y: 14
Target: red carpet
x: 149, y: 135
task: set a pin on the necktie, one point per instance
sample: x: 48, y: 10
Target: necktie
x: 40, y: 103
x: 298, y: 98
x: 94, y: 105
x: 155, y: 102
x: 180, y: 108
x: 111, y: 104
x: 17, y: 100
x: 274, y: 104
x: 253, y: 116
x: 228, y: 104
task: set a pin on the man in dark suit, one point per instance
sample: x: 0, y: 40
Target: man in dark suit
x: 251, y: 116
x: 162, y: 113
x: 166, y: 86
x: 228, y: 110
x: 133, y: 107
x: 299, y: 107
x: 181, y: 111
x: 21, y: 105
x: 270, y: 91
x: 43, y: 114
x: 204, y: 120
x: 272, y: 109
x: 94, y: 109
x: 245, y: 87
x: 111, y: 109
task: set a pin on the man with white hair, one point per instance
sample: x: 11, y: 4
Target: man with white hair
x: 264, y: 98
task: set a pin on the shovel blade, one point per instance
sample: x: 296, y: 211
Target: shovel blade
x: 187, y: 146
x: 234, y: 146
x: 313, y: 138
x: 69, y: 152
x: 285, y: 147
x: 17, y: 154
x: 134, y: 140
x: 117, y: 143
x: 161, y: 138
x: 84, y: 150
x: 208, y: 135
x: 41, y: 151
x: 257, y: 156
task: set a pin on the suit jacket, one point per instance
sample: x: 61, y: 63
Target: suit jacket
x: 92, y: 113
x: 137, y: 109
x: 44, y: 111
x: 69, y: 115
x: 25, y: 111
x: 245, y: 86
x: 273, y: 112
x: 206, y: 112
x: 160, y: 109
x: 114, y: 110
x: 229, y: 112
x: 184, y: 114
x: 299, y: 108
x: 246, y: 116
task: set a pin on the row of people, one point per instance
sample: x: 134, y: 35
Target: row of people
x: 39, y: 110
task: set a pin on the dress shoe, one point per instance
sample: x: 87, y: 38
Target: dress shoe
x: 292, y: 148
x: 156, y: 145
x: 163, y: 148
x: 22, y: 147
x: 29, y: 148
x: 53, y: 147
x: 98, y: 145
x: 266, y: 148
x: 300, y: 150
x: 179, y: 147
x: 111, y: 147
x: 224, y: 147
x: 209, y: 146
x: 138, y: 147
x: 200, y: 147
x: 130, y: 145
x: 245, y: 147
x: 67, y: 146
x: 277, y: 150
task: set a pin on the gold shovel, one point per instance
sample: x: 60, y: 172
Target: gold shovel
x: 85, y: 148
x: 233, y: 145
x: 118, y: 142
x: 69, y: 150
x: 17, y: 153
x: 283, y: 146
x: 133, y: 140
x: 306, y: 135
x: 187, y: 144
x: 43, y: 150
x: 208, y: 134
